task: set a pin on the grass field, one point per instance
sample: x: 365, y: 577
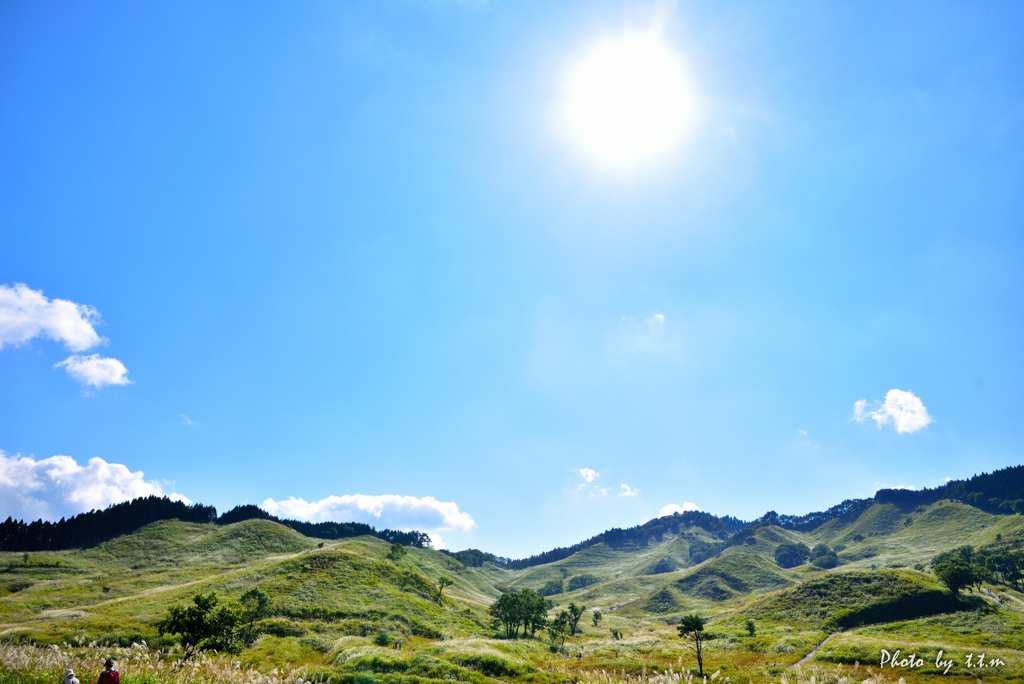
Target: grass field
x: 332, y: 600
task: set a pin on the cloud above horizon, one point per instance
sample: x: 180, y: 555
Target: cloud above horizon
x: 58, y: 486
x: 394, y: 511
x: 591, y: 488
x: 669, y: 509
x: 901, y: 408
x: 26, y: 314
x: 95, y: 370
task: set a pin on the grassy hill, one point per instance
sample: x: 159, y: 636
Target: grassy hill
x: 332, y: 599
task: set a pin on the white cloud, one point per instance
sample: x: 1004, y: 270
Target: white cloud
x: 591, y: 489
x: 882, y: 485
x: 669, y: 509
x: 185, y: 420
x: 94, y: 370
x: 802, y: 432
x: 394, y: 511
x: 26, y: 314
x: 626, y: 490
x: 901, y: 408
x: 59, y: 486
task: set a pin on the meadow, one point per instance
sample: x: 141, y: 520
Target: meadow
x: 339, y: 609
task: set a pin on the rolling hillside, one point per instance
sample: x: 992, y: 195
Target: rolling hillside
x: 331, y: 598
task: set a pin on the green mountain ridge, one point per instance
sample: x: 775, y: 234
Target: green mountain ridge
x: 332, y: 597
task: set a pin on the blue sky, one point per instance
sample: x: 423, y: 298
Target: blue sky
x: 350, y: 260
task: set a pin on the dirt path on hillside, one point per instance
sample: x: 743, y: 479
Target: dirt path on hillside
x: 80, y: 611
x: 813, y: 650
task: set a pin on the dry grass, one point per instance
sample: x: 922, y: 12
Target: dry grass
x: 137, y: 665
x: 25, y: 664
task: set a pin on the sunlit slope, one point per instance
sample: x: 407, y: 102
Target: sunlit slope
x: 885, y: 537
x: 863, y: 595
x: 882, y: 537
x: 128, y: 583
x: 609, y: 578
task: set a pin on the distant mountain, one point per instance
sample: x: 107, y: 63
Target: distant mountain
x: 616, y: 538
x: 999, y: 493
x: 86, y: 529
x: 92, y: 527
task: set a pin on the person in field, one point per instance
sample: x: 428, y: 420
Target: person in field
x: 109, y: 675
x: 69, y: 677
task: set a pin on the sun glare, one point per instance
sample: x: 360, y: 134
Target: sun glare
x: 628, y: 101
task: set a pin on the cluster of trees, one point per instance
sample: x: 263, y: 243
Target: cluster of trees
x: 524, y: 609
x: 327, y: 530
x: 846, y: 511
x: 999, y: 492
x: 966, y: 567
x: 209, y: 624
x: 94, y: 526
x: 792, y: 555
x: 97, y: 526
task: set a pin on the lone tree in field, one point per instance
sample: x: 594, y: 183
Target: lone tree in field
x: 596, y: 617
x: 558, y: 626
x: 442, y: 582
x: 691, y: 628
x: 956, y: 574
x: 202, y: 626
x: 255, y: 606
x: 575, y: 613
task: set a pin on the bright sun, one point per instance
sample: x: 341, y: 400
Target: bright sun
x: 628, y: 101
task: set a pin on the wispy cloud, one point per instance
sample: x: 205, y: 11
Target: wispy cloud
x: 900, y: 408
x: 883, y: 485
x: 626, y: 490
x: 185, y: 420
x: 56, y: 487
x: 95, y: 370
x: 591, y: 489
x: 669, y: 509
x: 26, y: 314
x: 394, y: 511
x: 645, y: 335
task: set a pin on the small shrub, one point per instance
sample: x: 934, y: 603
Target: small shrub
x: 280, y: 628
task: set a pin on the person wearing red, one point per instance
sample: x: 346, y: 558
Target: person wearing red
x: 109, y: 675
